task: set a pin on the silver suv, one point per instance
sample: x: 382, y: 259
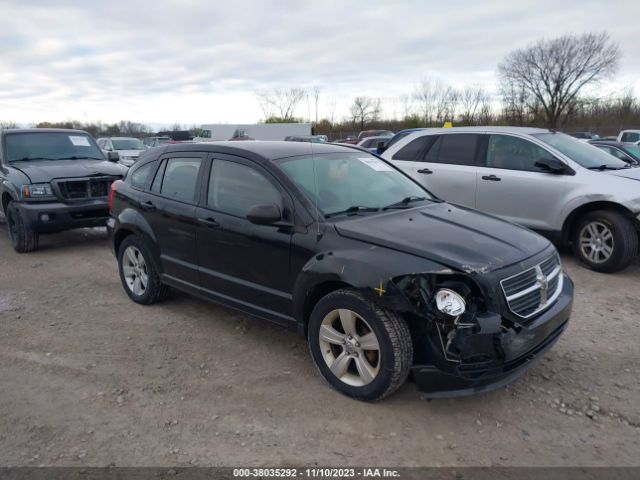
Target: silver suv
x: 542, y: 179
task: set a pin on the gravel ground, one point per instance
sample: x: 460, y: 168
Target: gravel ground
x: 89, y: 378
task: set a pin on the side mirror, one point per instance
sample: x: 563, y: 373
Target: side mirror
x: 264, y: 214
x: 380, y: 148
x: 551, y: 165
x: 113, y: 156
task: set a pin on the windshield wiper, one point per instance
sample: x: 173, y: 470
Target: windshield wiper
x: 604, y: 167
x: 28, y: 159
x: 404, y: 203
x: 354, y: 209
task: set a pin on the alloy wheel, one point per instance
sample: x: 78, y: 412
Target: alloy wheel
x: 596, y: 242
x: 134, y: 269
x: 349, y: 347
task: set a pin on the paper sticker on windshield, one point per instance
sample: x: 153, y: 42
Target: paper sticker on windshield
x: 376, y: 164
x: 79, y: 141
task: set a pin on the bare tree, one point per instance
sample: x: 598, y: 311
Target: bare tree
x: 406, y: 104
x: 553, y: 72
x: 514, y: 102
x: 472, y: 101
x: 437, y: 102
x: 331, y: 106
x: 8, y: 124
x: 425, y: 95
x: 316, y: 99
x: 280, y: 102
x: 364, y: 110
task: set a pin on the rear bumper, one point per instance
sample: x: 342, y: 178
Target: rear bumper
x: 56, y: 216
x: 522, y: 351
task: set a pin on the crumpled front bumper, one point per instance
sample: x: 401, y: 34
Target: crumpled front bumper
x: 521, y: 351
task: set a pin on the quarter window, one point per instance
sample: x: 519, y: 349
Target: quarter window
x: 176, y: 179
x: 234, y: 188
x: 140, y: 177
x: 513, y: 153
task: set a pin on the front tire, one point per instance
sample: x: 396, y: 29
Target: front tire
x: 605, y: 241
x: 23, y: 238
x: 138, y: 271
x: 361, y: 350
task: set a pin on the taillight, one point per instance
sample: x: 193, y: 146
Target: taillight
x: 112, y: 192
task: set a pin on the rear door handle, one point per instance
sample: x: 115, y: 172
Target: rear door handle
x: 491, y: 178
x: 208, y: 222
x: 426, y: 171
x: 148, y: 206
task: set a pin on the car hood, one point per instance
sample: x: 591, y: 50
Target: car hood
x: 632, y: 173
x: 129, y: 153
x: 454, y: 236
x: 43, y: 171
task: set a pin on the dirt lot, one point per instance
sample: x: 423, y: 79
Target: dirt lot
x: 90, y: 378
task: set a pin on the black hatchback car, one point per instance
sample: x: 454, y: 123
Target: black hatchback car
x: 382, y: 278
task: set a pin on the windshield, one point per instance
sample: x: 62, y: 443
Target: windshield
x: 589, y: 156
x: 346, y: 180
x: 51, y: 146
x: 127, y: 144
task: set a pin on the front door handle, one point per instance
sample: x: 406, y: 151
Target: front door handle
x: 148, y: 206
x: 491, y: 178
x: 426, y: 171
x: 208, y: 222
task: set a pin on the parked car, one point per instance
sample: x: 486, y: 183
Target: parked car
x: 53, y: 180
x: 306, y: 138
x: 584, y: 135
x: 627, y: 152
x: 542, y: 179
x: 371, y: 143
x: 381, y: 277
x: 349, y: 140
x: 398, y: 136
x: 629, y: 136
x: 374, y: 133
x: 128, y: 148
x: 150, y: 142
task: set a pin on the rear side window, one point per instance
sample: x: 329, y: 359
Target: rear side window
x: 413, y: 150
x: 177, y: 178
x: 514, y: 153
x: 454, y: 149
x: 235, y: 188
x: 141, y: 177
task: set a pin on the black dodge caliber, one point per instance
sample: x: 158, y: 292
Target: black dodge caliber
x: 382, y: 278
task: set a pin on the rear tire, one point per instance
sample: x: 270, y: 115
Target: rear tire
x: 361, y: 350
x: 605, y: 241
x: 139, y: 272
x: 23, y: 238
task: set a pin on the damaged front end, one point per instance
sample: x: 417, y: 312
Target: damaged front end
x: 460, y: 350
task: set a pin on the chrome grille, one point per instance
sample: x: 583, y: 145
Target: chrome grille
x: 529, y: 292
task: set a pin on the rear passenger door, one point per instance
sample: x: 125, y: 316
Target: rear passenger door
x: 511, y: 186
x: 445, y: 164
x: 170, y: 208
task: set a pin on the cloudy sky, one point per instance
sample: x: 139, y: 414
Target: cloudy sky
x: 193, y: 61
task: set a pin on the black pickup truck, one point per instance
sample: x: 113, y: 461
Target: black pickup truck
x: 53, y: 180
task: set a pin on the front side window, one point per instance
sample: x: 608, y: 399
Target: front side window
x: 513, y: 153
x: 336, y: 182
x: 454, y: 149
x: 51, y: 146
x: 582, y: 153
x: 235, y: 188
x: 630, y: 137
x: 177, y: 178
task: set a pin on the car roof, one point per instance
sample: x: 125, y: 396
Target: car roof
x: 267, y: 150
x: 43, y: 130
x: 486, y: 129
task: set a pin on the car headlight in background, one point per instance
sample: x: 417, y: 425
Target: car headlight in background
x: 37, y: 191
x: 450, y: 302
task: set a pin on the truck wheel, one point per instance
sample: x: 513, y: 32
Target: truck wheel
x: 605, y: 241
x: 361, y: 350
x: 138, y: 272
x: 23, y: 239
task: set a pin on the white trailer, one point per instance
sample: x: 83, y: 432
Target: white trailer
x: 257, y: 131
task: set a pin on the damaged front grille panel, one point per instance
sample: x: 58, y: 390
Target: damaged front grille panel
x: 84, y: 188
x: 530, y: 292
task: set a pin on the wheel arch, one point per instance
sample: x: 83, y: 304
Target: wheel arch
x: 6, y: 199
x: 571, y: 221
x: 312, y: 298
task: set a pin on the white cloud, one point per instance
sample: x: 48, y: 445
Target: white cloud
x: 202, y: 61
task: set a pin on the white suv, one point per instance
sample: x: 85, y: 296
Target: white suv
x: 542, y: 179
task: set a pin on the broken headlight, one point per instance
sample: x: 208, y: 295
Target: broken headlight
x: 450, y: 302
